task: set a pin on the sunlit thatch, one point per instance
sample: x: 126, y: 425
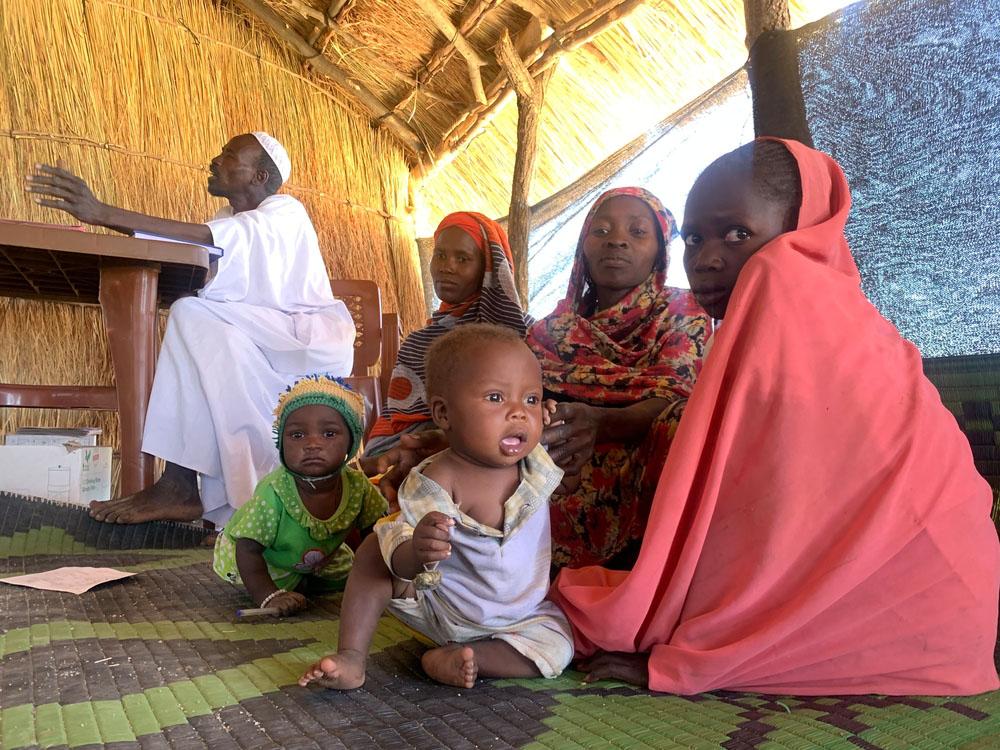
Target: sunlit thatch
x: 137, y: 97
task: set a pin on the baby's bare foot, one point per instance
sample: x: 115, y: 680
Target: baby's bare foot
x: 453, y: 664
x: 344, y: 670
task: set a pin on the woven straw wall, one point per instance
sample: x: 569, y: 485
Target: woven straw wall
x: 137, y: 96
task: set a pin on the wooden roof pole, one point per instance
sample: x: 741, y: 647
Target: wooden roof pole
x: 765, y: 15
x: 323, y: 30
x: 573, y: 34
x: 311, y: 57
x: 773, y: 70
x: 326, y: 27
x: 473, y: 58
x: 530, y: 98
x: 533, y: 8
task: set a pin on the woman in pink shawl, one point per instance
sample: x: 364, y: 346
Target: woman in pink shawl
x: 819, y: 526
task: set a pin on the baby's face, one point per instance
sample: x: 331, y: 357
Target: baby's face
x: 315, y: 440
x: 494, y: 405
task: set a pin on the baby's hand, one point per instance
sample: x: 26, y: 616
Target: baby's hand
x: 430, y: 538
x: 288, y: 603
x: 548, y: 409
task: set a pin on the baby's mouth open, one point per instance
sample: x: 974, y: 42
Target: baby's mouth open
x: 512, y: 444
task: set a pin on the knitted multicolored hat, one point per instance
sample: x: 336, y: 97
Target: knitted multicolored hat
x: 326, y: 390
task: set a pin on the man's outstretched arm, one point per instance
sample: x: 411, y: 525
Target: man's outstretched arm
x: 55, y: 187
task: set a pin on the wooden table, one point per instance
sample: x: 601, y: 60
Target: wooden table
x: 130, y: 279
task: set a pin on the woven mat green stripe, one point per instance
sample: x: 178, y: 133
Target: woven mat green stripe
x: 160, y: 661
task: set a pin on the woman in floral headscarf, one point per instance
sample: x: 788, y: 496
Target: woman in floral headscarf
x: 620, y: 353
x: 472, y: 269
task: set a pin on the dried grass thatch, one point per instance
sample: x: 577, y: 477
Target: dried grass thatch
x: 660, y: 55
x: 137, y: 96
x: 601, y: 96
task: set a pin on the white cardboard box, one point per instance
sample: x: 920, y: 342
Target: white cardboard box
x: 16, y: 439
x: 75, y: 476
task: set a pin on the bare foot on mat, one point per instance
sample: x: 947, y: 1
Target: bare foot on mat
x: 173, y: 498
x: 344, y: 670
x: 453, y: 664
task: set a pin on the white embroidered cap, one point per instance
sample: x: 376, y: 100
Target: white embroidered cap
x: 277, y: 153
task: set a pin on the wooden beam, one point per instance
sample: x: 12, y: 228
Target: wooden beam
x: 589, y: 184
x: 536, y: 10
x: 773, y: 69
x: 338, y: 8
x: 476, y: 12
x: 308, y: 11
x: 530, y: 98
x: 580, y: 30
x: 473, y: 59
x: 765, y: 15
x: 343, y: 78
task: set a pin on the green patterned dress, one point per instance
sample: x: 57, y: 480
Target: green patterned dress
x: 296, y: 543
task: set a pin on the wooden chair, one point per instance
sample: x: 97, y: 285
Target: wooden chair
x: 375, y: 345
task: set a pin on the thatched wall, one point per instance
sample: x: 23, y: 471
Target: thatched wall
x: 137, y: 96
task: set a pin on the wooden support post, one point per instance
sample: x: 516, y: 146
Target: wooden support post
x: 574, y: 33
x: 128, y: 304
x: 343, y: 78
x: 530, y: 98
x: 765, y: 15
x: 775, y: 84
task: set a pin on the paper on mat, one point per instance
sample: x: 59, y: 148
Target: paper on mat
x: 73, y: 580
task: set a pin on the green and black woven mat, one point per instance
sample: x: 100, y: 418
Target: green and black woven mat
x: 160, y: 661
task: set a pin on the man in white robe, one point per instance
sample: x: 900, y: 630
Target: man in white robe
x: 265, y: 318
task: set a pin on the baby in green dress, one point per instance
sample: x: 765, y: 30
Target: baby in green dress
x: 293, y: 528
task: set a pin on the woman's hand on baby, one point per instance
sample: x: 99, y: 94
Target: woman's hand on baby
x: 288, y: 603
x: 571, y: 436
x: 396, y: 462
x: 431, y: 538
x: 569, y: 484
x: 549, y: 406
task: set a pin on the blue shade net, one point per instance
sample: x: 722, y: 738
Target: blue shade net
x: 906, y: 95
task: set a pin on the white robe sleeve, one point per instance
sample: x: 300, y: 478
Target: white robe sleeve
x: 271, y: 258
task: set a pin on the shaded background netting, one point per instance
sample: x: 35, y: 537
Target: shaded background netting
x: 906, y: 95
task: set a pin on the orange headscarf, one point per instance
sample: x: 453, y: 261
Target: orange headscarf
x: 496, y: 302
x: 819, y: 526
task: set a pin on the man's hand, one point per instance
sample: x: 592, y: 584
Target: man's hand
x: 570, y: 437
x: 55, y: 187
x: 431, y: 538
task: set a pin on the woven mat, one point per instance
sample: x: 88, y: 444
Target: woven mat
x: 159, y: 661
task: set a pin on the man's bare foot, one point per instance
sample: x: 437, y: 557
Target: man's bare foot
x: 453, y: 664
x: 173, y: 498
x: 344, y: 670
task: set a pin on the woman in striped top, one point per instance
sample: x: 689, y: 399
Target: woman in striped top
x: 473, y: 273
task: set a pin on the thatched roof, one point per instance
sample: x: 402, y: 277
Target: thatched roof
x: 622, y: 65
